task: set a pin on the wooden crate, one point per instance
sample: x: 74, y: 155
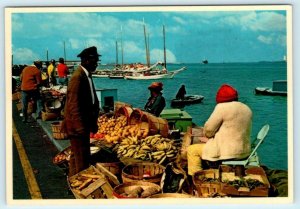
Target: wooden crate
x: 98, y: 188
x: 252, y: 174
x: 207, y: 182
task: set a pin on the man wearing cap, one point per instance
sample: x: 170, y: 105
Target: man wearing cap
x: 227, y: 132
x: 81, y: 110
x: 30, y: 82
x: 156, y: 102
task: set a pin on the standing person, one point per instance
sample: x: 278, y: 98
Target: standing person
x: 181, y: 93
x: 81, y: 110
x: 62, y: 71
x: 156, y: 102
x: 30, y: 83
x: 51, y: 73
x: 227, y: 132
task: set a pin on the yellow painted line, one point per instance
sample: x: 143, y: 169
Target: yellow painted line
x: 28, y: 172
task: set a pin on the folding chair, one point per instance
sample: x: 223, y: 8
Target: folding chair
x: 253, y: 159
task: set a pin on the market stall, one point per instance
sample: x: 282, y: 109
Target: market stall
x: 139, y: 159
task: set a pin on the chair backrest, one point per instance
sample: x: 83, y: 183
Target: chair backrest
x: 260, y: 136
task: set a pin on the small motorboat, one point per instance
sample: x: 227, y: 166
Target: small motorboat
x: 279, y: 89
x: 188, y: 99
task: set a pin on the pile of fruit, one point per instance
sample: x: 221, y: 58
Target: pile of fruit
x: 152, y: 148
x: 140, y: 192
x: 62, y: 156
x: 114, y: 130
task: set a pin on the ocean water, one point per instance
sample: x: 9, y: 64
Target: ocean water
x: 206, y: 80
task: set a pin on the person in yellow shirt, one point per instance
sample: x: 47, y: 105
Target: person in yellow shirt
x: 51, y: 73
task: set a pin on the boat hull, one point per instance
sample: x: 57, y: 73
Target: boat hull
x: 190, y: 99
x: 152, y: 77
x: 269, y: 92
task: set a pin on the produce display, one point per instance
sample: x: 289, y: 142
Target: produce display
x: 62, y: 156
x: 152, y: 148
x: 249, y: 181
x: 140, y: 192
x: 115, y: 129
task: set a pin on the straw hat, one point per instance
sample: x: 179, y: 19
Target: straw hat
x: 156, y: 85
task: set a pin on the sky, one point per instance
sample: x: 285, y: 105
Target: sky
x: 191, y: 36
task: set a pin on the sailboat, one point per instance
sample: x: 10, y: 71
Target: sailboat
x: 156, y: 71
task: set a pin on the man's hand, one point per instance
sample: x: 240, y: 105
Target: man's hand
x: 203, y: 139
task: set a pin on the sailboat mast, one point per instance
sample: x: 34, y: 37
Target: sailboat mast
x: 117, y: 55
x: 165, y: 55
x: 148, y: 51
x: 146, y: 45
x: 65, y: 50
x: 122, y: 46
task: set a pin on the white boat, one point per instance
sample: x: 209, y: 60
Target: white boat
x: 101, y: 73
x: 153, y: 75
x: 156, y: 71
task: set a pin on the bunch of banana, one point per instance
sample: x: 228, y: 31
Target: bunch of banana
x: 152, y: 148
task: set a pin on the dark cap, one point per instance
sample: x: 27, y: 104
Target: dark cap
x: 89, y: 52
x: 61, y: 60
x: 37, y: 62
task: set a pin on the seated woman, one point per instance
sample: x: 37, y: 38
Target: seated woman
x: 156, y: 102
x: 227, y: 132
x: 181, y: 93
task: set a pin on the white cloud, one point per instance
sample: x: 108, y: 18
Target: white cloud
x: 268, y: 21
x: 25, y: 55
x: 17, y: 25
x: 281, y: 40
x: 264, y: 39
x: 75, y: 43
x: 179, y: 20
x: 158, y: 55
x: 256, y: 21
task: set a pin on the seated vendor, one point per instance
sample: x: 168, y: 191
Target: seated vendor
x: 227, y: 132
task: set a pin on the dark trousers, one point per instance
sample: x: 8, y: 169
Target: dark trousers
x: 80, y: 158
x: 36, y: 97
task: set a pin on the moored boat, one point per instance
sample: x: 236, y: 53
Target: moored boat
x: 189, y: 99
x: 150, y: 75
x: 279, y: 89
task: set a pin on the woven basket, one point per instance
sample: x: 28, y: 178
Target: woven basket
x: 204, y: 187
x: 56, y: 131
x: 114, y: 167
x: 150, y: 172
x: 135, y: 116
x: 154, y: 124
x: 119, y: 104
x: 16, y: 96
x: 49, y: 116
x: 125, y: 110
x: 53, y: 106
x: 171, y: 195
x: 119, y: 190
x: 157, y: 125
